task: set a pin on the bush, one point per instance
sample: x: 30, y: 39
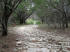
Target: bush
x: 38, y: 22
x: 31, y: 21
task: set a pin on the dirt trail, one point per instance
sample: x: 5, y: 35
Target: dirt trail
x: 30, y: 39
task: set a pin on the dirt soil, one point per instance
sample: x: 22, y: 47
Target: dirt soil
x: 21, y: 38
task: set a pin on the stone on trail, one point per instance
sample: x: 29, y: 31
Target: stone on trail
x: 19, y: 44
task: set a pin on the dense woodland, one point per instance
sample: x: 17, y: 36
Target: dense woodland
x: 50, y: 12
x: 34, y: 25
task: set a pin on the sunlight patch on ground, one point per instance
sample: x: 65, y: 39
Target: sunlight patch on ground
x: 37, y: 50
x: 40, y: 50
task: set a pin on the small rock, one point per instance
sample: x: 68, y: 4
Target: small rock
x: 19, y: 42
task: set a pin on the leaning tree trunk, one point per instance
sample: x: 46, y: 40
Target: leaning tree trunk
x: 5, y: 21
x: 8, y: 9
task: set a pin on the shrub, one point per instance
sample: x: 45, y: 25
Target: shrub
x: 31, y: 21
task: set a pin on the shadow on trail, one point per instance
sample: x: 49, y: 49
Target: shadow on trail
x: 7, y: 44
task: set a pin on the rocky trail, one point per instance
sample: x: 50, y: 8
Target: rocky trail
x: 29, y: 38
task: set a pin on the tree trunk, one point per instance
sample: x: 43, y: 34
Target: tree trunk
x: 4, y: 30
x: 42, y: 21
x: 24, y: 21
x: 63, y: 26
x: 60, y: 25
x: 66, y: 22
x: 21, y: 21
x: 6, y: 14
x: 63, y: 21
x: 66, y: 25
x: 4, y: 26
x: 5, y: 20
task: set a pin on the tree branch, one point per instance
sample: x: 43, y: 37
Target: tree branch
x: 29, y: 15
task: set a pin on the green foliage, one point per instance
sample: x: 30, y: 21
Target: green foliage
x: 38, y: 22
x: 31, y: 21
x: 38, y: 2
x: 68, y: 2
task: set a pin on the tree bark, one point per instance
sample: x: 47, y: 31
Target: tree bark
x: 63, y: 26
x: 7, y: 12
x: 63, y: 21
x: 66, y: 20
x: 4, y: 26
x: 21, y: 21
x: 4, y: 29
x: 24, y: 21
x: 5, y: 21
x: 66, y: 23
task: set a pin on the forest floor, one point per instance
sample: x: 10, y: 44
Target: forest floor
x: 31, y: 38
